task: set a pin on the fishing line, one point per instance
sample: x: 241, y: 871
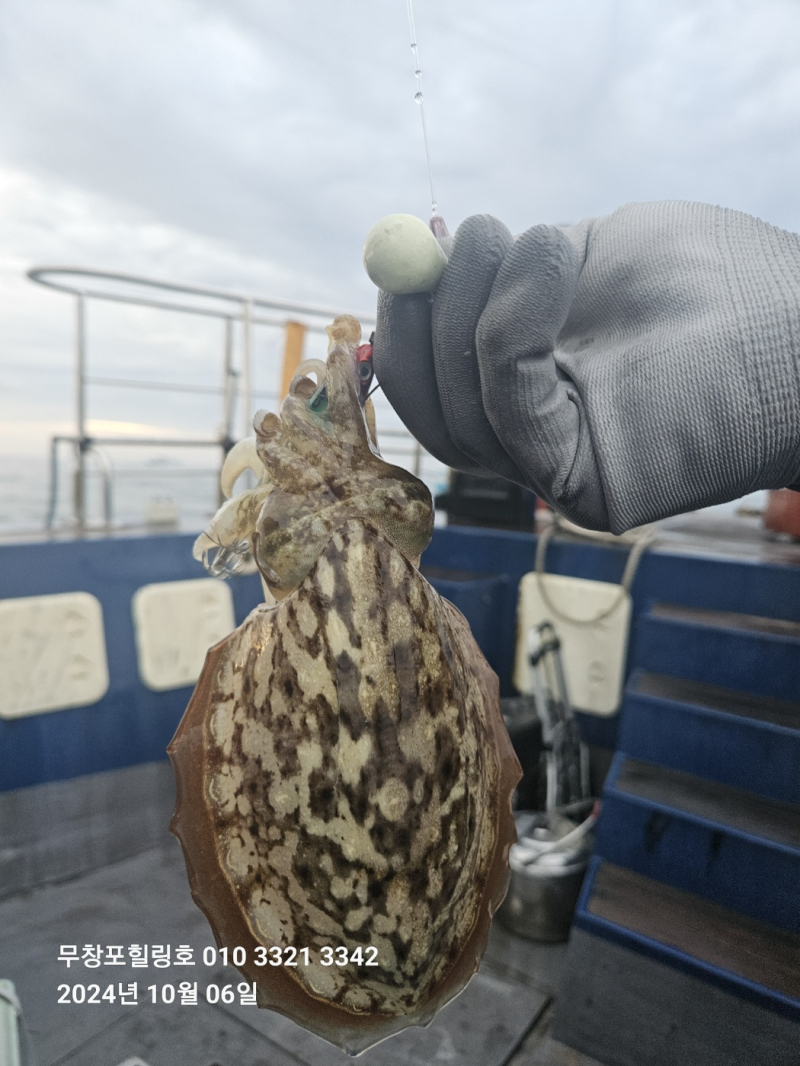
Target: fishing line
x: 418, y: 96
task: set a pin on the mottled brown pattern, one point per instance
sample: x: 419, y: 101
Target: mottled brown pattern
x: 344, y: 774
x: 355, y: 781
x: 326, y: 470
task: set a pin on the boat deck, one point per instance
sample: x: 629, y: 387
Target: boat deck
x: 502, y: 1019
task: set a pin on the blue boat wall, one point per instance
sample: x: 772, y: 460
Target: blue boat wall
x: 688, y: 924
x: 87, y: 785
x: 84, y: 786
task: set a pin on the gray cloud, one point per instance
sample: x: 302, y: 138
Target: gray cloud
x: 289, y: 127
x: 254, y: 143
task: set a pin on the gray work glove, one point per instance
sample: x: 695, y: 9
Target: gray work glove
x: 627, y: 368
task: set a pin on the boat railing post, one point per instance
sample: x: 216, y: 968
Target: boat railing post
x: 106, y: 472
x: 247, y: 367
x: 229, y: 394
x: 237, y: 381
x: 80, y: 412
x: 52, y: 503
x: 417, y: 471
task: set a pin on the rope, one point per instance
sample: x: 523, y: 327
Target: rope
x: 639, y: 540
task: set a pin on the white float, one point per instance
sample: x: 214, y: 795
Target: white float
x: 401, y: 255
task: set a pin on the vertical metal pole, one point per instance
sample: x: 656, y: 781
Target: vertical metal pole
x: 107, y: 504
x: 80, y: 411
x: 417, y: 471
x: 105, y: 472
x: 227, y: 380
x: 228, y: 401
x: 53, y: 500
x: 247, y: 368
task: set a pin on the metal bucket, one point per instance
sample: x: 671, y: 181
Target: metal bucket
x: 546, y: 876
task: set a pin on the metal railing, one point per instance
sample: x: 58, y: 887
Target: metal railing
x: 236, y: 390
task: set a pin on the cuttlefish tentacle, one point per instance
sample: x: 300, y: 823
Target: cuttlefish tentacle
x: 242, y: 456
x: 315, y: 461
x: 230, y: 531
x: 326, y: 469
x: 290, y: 468
x: 232, y: 528
x: 345, y: 329
x: 311, y: 366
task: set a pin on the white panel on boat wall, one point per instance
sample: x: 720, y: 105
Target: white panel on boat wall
x: 52, y: 653
x: 176, y: 622
x: 593, y: 654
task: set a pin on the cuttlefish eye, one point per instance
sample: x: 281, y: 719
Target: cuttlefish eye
x: 319, y: 401
x: 364, y: 371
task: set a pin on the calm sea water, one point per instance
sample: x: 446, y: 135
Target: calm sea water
x: 25, y: 491
x: 159, y: 484
x: 162, y: 483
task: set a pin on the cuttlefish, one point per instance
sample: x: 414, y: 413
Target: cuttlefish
x: 344, y: 774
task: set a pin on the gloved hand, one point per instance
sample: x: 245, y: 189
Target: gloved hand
x: 626, y: 368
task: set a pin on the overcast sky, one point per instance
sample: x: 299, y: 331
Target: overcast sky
x: 252, y: 144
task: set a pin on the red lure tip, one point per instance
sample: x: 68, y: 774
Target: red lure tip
x: 364, y: 371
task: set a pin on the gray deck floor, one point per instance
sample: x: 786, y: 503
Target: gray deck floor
x: 502, y: 1019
